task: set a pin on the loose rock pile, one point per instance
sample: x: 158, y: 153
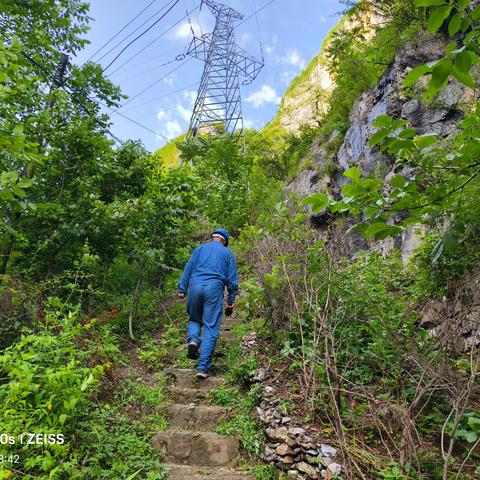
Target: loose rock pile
x: 289, y: 446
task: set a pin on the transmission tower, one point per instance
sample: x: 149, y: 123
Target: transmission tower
x: 218, y: 101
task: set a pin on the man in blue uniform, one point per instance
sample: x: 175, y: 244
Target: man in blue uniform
x: 209, y: 270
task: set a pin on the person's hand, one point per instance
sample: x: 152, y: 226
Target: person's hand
x: 181, y: 295
x: 229, y: 309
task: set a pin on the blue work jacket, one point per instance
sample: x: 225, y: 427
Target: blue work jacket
x: 211, y: 262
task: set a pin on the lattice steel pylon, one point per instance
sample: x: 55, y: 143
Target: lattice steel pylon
x: 218, y: 100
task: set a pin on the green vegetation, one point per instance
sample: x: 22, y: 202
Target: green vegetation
x: 169, y: 154
x: 92, y: 237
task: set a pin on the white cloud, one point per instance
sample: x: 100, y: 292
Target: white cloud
x: 161, y: 114
x: 294, y: 59
x: 270, y: 48
x: 191, y: 96
x: 266, y: 94
x: 168, y: 81
x: 184, y: 30
x: 184, y: 113
x: 172, y: 129
x: 244, y: 39
x: 287, y: 77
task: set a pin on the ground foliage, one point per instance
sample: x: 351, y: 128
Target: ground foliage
x: 90, y: 233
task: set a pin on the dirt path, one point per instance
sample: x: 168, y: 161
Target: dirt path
x: 190, y: 446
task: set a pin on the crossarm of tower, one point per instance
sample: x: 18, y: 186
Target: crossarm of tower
x: 199, y: 46
x: 219, y: 9
x: 248, y: 66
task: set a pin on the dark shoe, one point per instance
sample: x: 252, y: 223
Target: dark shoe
x: 192, y: 350
x: 202, y: 375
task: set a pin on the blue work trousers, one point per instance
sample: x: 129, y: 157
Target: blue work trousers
x: 205, y: 308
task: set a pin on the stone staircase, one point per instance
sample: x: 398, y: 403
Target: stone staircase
x: 190, y: 447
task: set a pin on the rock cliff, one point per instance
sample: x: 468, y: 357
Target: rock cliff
x: 324, y: 174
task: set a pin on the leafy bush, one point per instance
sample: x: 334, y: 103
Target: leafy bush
x: 46, y: 389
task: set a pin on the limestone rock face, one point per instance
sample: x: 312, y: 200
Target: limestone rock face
x: 387, y: 97
x: 307, y: 101
x: 456, y: 320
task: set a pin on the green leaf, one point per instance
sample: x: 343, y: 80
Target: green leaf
x: 471, y: 437
x: 6, y: 195
x: 408, y: 133
x: 429, y: 3
x: 450, y: 242
x: 440, y: 72
x: 474, y: 423
x: 463, y: 4
x: 390, y: 232
x: 424, y: 141
x: 353, y: 174
x: 476, y: 13
x: 437, y: 17
x: 466, y: 22
x: 378, y: 137
x: 455, y: 24
x: 466, y: 79
x: 18, y: 191
x: 374, y: 228
x: 133, y: 475
x: 400, y: 144
x: 382, y: 121
x: 318, y: 201
x: 398, y: 181
x: 437, y: 251
x: 415, y: 74
x: 463, y: 62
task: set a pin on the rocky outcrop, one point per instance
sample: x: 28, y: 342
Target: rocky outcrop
x: 387, y: 97
x: 306, y: 102
x: 456, y: 321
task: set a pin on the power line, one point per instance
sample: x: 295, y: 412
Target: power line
x: 183, y: 18
x: 151, y: 43
x: 142, y: 72
x: 99, y: 122
x: 166, y: 75
x: 135, y: 122
x: 136, y: 65
x: 258, y: 29
x: 153, y: 84
x: 133, y: 31
x: 161, y: 97
x: 141, y: 35
x: 121, y: 30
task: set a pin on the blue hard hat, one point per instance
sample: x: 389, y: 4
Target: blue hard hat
x: 223, y: 233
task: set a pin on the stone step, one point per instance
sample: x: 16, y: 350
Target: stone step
x: 187, y: 395
x: 186, y: 472
x: 185, y: 378
x: 185, y: 447
x: 202, y: 418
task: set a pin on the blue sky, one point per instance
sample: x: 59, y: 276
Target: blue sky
x: 291, y: 32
